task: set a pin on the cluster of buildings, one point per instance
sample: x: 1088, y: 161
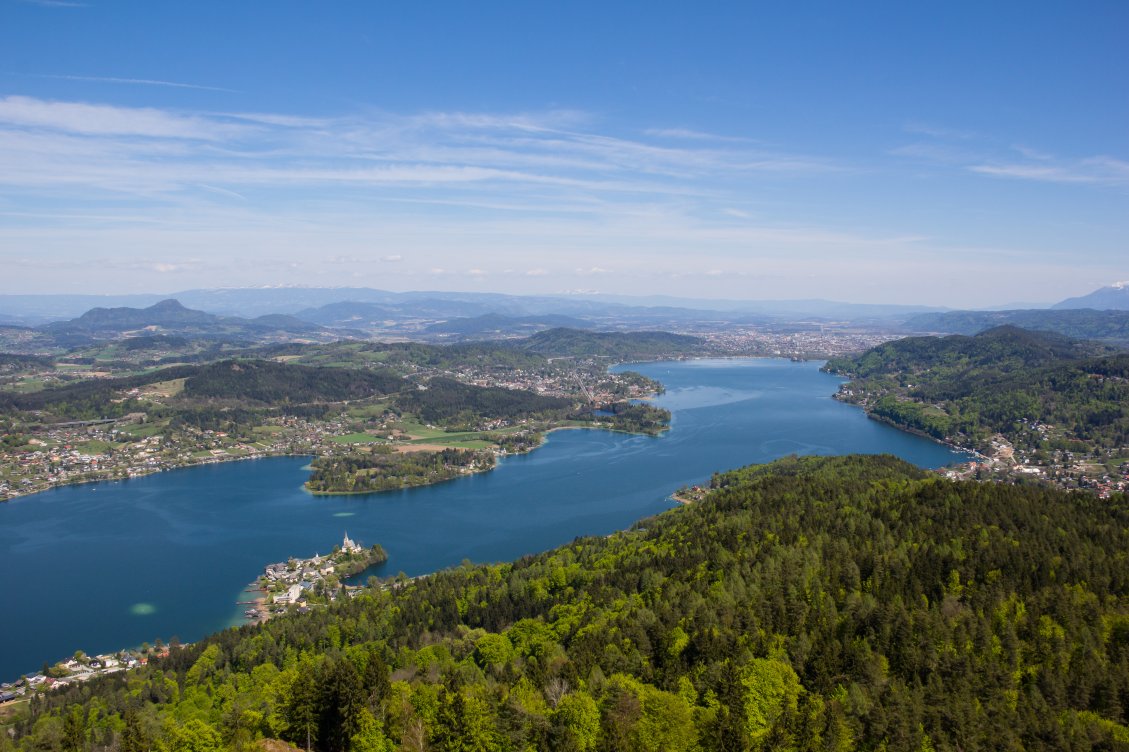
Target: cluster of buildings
x: 1063, y: 468
x: 823, y: 342
x: 76, y: 670
x: 288, y: 583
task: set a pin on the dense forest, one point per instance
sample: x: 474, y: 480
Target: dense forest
x: 1000, y: 381
x: 384, y: 469
x: 11, y: 363
x: 272, y: 383
x: 1003, y: 349
x: 850, y: 603
x: 453, y: 403
x: 636, y: 418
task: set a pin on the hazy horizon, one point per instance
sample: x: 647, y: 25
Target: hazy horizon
x: 964, y: 157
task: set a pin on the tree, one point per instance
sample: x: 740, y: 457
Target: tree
x: 370, y: 736
x: 74, y: 730
x: 576, y: 723
x: 194, y: 736
x: 133, y: 737
x: 302, y: 709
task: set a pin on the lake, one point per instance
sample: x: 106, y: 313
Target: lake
x: 103, y: 566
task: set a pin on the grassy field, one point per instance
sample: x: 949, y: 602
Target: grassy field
x: 9, y: 710
x: 456, y: 441
x: 420, y: 431
x: 26, y: 386
x: 95, y: 447
x: 165, y: 389
x: 358, y: 438
x: 373, y: 410
x: 145, y: 430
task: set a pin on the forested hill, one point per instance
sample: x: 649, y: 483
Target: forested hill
x: 812, y: 604
x: 444, y: 400
x: 1106, y: 326
x: 1002, y: 349
x: 167, y: 313
x: 1042, y: 391
x: 245, y: 381
x: 280, y: 383
x: 615, y: 345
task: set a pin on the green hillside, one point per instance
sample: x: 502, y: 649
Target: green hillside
x: 273, y: 383
x: 1003, y: 381
x: 812, y: 604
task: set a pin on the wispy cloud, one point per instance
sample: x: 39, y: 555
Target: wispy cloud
x: 1015, y: 161
x: 689, y: 134
x: 134, y: 82
x: 55, y: 3
x: 105, y: 120
x: 1094, y: 170
x: 223, y: 191
x: 938, y: 131
x: 64, y: 143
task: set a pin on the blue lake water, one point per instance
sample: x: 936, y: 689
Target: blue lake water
x: 103, y: 566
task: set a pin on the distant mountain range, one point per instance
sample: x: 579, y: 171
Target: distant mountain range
x: 1114, y: 297
x: 467, y: 315
x: 168, y: 321
x: 368, y: 308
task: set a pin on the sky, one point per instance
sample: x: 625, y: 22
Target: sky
x: 965, y: 154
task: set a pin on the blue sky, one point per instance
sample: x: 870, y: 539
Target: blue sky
x: 962, y: 154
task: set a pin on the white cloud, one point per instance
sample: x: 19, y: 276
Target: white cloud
x: 392, y: 259
x: 107, y: 120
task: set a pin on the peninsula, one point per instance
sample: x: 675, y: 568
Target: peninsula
x: 300, y: 583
